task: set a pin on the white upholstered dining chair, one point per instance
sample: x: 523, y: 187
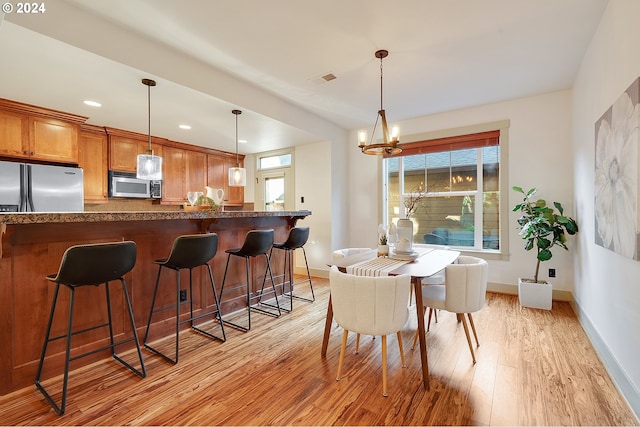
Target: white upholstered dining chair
x: 463, y: 292
x: 372, y: 306
x: 347, y: 252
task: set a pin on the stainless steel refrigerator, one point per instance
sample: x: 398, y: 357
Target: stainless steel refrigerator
x: 40, y: 188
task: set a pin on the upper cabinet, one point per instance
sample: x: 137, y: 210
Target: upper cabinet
x: 14, y: 131
x: 196, y: 171
x: 218, y: 177
x: 124, y: 148
x: 35, y: 133
x: 92, y: 158
x: 174, y: 176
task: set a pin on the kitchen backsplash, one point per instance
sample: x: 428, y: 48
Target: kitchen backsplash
x: 123, y: 205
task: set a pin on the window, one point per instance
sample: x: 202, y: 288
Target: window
x: 274, y: 161
x: 461, y: 178
x: 274, y: 189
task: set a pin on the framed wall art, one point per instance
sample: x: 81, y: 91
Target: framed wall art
x: 616, y: 175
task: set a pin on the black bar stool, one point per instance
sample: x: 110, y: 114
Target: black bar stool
x: 256, y: 243
x: 189, y: 251
x: 296, y: 239
x: 84, y: 265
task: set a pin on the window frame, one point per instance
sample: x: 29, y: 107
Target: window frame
x: 453, y: 139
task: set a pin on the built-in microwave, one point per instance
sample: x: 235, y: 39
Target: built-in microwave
x: 125, y: 184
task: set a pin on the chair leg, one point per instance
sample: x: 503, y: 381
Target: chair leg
x: 399, y: 334
x: 345, y: 334
x: 177, y: 326
x: 306, y: 263
x: 143, y: 371
x: 431, y: 310
x: 59, y: 409
x: 177, y: 344
x: 216, y: 312
x: 416, y: 336
x: 289, y: 258
x: 473, y: 328
x: 153, y: 304
x: 248, y: 299
x: 273, y: 288
x: 384, y: 366
x: 466, y: 331
x: 357, y: 342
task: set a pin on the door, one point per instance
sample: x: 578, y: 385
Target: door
x: 10, y: 187
x: 275, y: 190
x: 56, y: 189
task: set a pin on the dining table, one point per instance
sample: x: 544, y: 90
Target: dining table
x: 428, y: 262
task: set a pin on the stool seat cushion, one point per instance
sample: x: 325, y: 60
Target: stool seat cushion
x: 257, y: 242
x: 94, y: 264
x: 297, y: 238
x: 191, y: 250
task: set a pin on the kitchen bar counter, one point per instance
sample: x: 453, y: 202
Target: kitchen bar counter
x: 48, y: 218
x: 32, y: 245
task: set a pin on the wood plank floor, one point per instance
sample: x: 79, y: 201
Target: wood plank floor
x: 534, y: 368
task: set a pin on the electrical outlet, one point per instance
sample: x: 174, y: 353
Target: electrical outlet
x: 183, y: 295
x: 552, y: 272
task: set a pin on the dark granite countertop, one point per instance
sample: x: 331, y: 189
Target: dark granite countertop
x: 52, y: 218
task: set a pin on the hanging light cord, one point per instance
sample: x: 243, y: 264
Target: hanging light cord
x: 375, y: 125
x: 237, y: 162
x: 149, y: 151
x: 381, y: 84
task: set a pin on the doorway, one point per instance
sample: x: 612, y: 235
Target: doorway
x: 274, y: 190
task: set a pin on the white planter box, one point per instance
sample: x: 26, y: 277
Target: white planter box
x: 535, y: 295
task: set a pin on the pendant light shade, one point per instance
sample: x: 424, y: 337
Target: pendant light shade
x: 390, y: 140
x: 237, y: 175
x: 149, y: 166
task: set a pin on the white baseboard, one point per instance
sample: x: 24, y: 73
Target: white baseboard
x: 617, y: 373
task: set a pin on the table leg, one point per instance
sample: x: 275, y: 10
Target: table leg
x: 327, y: 328
x: 417, y: 285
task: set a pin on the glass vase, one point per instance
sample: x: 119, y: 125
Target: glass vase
x: 404, y: 244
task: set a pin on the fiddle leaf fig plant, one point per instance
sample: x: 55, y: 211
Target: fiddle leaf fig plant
x: 542, y: 226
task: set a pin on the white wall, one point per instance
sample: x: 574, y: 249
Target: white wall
x: 540, y: 155
x: 607, y: 290
x: 313, y: 182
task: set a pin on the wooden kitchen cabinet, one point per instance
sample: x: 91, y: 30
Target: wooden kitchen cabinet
x: 33, y: 137
x: 196, y: 171
x: 124, y: 150
x: 14, y: 131
x: 53, y: 140
x: 174, y: 177
x: 92, y: 158
x: 218, y: 177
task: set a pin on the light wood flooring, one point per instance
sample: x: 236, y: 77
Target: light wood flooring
x: 534, y: 367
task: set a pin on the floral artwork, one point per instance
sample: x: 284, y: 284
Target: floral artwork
x: 616, y: 175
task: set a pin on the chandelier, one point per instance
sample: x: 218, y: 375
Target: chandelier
x: 389, y: 144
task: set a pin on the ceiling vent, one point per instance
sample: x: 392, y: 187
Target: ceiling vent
x: 324, y: 78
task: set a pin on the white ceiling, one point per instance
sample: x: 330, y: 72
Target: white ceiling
x: 266, y: 58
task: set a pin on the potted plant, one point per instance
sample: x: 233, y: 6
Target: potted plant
x: 542, y: 227
x: 383, y: 246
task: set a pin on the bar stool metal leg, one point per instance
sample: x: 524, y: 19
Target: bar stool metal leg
x: 191, y: 318
x: 257, y: 242
x: 89, y: 265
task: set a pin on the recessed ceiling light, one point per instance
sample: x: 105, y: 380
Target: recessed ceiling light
x: 242, y: 141
x: 187, y: 127
x: 92, y: 103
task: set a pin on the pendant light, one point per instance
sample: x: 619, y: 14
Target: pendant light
x: 389, y: 144
x: 148, y: 165
x: 237, y: 175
